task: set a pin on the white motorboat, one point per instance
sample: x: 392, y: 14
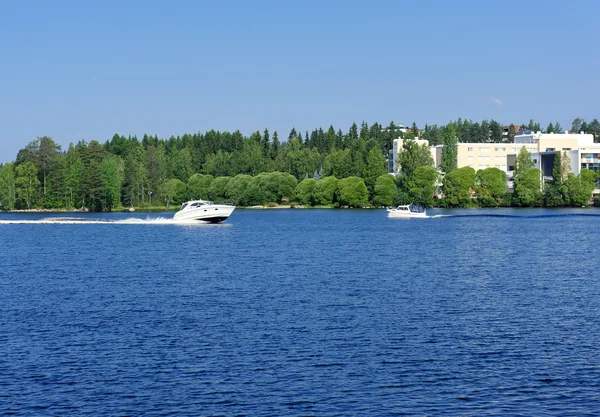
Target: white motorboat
x: 408, y: 211
x: 203, y: 210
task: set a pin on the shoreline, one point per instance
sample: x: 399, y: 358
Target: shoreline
x: 266, y: 207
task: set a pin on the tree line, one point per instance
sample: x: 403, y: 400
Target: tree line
x: 323, y: 167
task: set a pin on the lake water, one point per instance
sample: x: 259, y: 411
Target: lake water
x: 302, y: 312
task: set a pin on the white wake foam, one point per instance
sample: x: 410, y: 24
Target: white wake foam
x: 81, y: 220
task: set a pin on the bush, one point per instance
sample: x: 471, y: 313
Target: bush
x: 198, y: 186
x: 216, y: 191
x: 352, y: 192
x: 385, y: 190
x: 324, y: 191
x: 304, y: 192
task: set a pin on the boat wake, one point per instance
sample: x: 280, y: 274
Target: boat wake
x: 132, y: 220
x: 515, y: 216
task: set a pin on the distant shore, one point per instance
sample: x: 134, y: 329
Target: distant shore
x: 155, y: 209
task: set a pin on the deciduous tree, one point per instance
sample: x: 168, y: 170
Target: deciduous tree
x: 8, y: 194
x: 352, y: 192
x: 26, y: 183
x: 385, y: 190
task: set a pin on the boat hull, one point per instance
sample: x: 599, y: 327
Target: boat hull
x: 210, y: 214
x: 406, y: 215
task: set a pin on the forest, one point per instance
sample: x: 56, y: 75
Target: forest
x: 321, y: 168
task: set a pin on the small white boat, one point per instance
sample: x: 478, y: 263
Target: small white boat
x: 408, y: 212
x: 203, y: 210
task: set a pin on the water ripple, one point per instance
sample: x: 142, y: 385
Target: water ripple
x: 313, y: 312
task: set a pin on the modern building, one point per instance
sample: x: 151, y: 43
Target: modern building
x: 488, y: 155
x: 581, y: 149
x: 578, y: 147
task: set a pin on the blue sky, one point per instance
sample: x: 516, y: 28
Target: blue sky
x: 77, y: 70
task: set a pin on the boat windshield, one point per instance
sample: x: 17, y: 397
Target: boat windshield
x: 184, y: 205
x: 415, y: 208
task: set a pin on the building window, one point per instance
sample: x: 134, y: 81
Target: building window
x: 484, y: 149
x: 484, y: 158
x: 470, y: 149
x: 470, y: 157
x: 500, y: 149
x: 566, y: 149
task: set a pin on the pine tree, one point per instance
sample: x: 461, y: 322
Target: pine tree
x: 275, y: 145
x: 293, y: 134
x: 558, y: 128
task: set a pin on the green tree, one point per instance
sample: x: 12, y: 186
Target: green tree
x: 512, y: 132
x: 304, y: 192
x: 449, y: 151
x: 557, y: 128
x: 43, y: 152
x: 72, y: 173
x: 594, y: 129
x: 324, y: 192
x: 275, y: 146
x: 555, y: 194
x: 198, y: 186
x: 576, y: 125
x: 352, y: 192
x: 136, y: 177
x: 273, y: 186
x: 339, y: 164
x: 422, y: 185
x: 216, y: 191
x: 560, y: 170
x: 26, y: 184
x: 282, y: 185
x: 183, y: 167
x: 301, y: 162
x: 156, y: 168
x: 173, y: 191
x: 385, y: 190
x: 579, y: 188
x: 528, y: 187
x: 523, y: 162
x: 374, y: 168
x: 48, y: 154
x: 412, y: 156
x: 490, y: 186
x: 219, y: 164
x: 257, y: 193
x: 236, y: 189
x: 91, y: 182
x: 458, y: 187
x: 495, y: 131
x: 8, y: 195
x: 112, y: 180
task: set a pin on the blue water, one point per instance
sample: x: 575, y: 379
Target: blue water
x: 303, y: 312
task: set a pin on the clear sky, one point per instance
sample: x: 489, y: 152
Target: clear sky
x: 77, y: 70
